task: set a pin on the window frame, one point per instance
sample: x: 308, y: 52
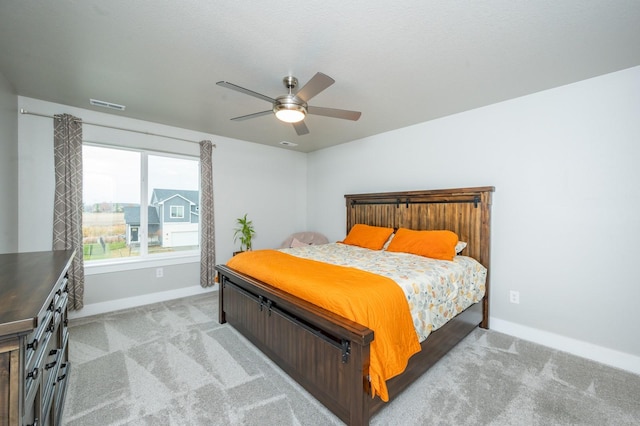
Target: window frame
x: 145, y: 260
x: 178, y: 209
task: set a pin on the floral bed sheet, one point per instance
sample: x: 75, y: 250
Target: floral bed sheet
x: 436, y: 290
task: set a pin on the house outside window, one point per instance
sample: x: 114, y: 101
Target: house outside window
x: 139, y: 204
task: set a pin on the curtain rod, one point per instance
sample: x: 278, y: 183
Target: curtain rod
x: 24, y: 111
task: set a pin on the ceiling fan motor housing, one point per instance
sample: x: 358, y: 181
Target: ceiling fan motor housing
x: 290, y: 82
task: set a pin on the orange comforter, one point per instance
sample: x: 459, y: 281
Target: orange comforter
x: 371, y: 300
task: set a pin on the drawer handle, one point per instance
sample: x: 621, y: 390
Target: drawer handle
x: 53, y: 352
x: 59, y: 292
x: 50, y: 365
x: 33, y: 345
x: 61, y: 378
x: 34, y: 373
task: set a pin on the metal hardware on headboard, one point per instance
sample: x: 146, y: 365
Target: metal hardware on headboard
x: 475, y: 200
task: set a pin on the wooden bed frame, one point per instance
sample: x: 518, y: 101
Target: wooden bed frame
x: 328, y: 354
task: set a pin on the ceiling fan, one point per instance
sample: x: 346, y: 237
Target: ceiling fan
x: 292, y: 107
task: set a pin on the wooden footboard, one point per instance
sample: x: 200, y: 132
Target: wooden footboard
x: 326, y: 353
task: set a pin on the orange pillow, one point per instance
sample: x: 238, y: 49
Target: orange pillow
x: 433, y: 244
x: 371, y: 237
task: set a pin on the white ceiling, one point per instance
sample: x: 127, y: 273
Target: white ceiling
x: 400, y: 63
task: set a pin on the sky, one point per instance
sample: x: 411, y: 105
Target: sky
x: 113, y: 175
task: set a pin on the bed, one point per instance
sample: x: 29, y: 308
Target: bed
x: 330, y: 355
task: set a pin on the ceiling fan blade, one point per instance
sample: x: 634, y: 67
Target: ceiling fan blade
x: 254, y: 115
x: 317, y: 84
x: 301, y: 128
x: 335, y: 113
x: 245, y: 91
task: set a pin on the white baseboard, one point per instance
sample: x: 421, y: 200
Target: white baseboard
x: 617, y: 359
x: 132, y: 302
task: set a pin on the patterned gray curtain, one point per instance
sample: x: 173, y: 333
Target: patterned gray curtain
x: 207, y: 233
x: 67, y: 209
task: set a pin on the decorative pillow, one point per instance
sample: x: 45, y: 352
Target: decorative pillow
x: 371, y: 237
x: 433, y: 244
x: 460, y: 246
x: 297, y: 243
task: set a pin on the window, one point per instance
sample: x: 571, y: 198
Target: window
x: 177, y: 212
x: 139, y: 204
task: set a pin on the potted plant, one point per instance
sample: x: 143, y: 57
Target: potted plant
x: 244, y: 232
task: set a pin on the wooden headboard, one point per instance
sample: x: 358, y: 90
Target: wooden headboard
x: 465, y: 211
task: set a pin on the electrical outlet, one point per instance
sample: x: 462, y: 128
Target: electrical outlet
x: 514, y: 297
x: 159, y: 272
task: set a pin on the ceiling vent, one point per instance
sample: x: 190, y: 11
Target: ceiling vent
x: 105, y: 104
x: 287, y: 143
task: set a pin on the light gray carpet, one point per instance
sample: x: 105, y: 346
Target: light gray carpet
x: 173, y: 364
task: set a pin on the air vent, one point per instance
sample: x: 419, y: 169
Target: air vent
x: 287, y: 143
x: 105, y: 104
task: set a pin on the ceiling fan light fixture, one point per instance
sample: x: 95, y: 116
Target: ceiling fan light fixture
x: 290, y: 115
x: 289, y: 111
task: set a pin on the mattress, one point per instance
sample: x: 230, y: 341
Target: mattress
x: 436, y: 290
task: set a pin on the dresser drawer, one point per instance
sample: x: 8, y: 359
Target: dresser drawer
x: 35, y: 342
x: 34, y: 370
x: 60, y: 392
x: 61, y: 288
x: 51, y: 366
x: 32, y: 414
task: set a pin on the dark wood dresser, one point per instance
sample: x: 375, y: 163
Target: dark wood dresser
x: 34, y: 362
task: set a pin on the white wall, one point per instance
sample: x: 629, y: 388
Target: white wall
x: 267, y: 183
x: 8, y: 167
x: 565, y: 164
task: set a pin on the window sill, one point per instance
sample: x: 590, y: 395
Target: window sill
x: 109, y: 266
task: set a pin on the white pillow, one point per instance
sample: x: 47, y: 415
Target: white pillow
x: 384, y: 247
x: 460, y: 246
